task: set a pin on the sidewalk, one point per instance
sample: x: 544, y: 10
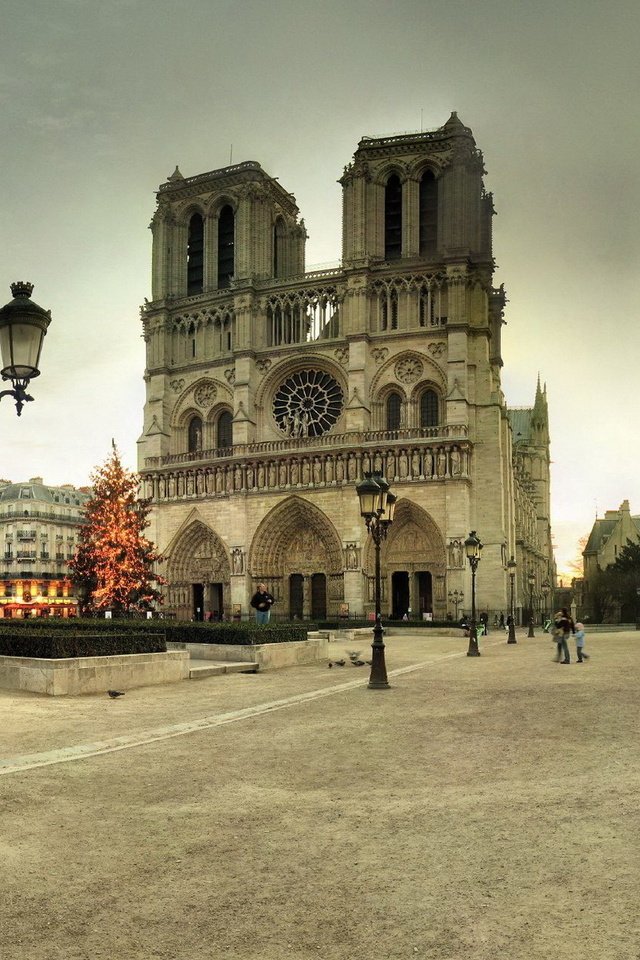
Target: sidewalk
x: 481, y: 806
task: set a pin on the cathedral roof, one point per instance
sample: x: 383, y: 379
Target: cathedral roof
x: 520, y: 420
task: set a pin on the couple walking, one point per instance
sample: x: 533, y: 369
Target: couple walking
x: 563, y: 627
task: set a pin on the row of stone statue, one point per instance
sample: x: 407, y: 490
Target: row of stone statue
x: 427, y: 464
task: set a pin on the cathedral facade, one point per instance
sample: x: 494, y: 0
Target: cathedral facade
x: 271, y: 391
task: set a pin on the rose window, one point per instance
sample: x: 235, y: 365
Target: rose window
x: 307, y: 404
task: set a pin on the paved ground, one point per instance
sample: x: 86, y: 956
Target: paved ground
x: 479, y: 807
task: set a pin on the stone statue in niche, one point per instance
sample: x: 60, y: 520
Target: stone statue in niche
x: 339, y: 469
x: 366, y: 463
x: 455, y: 553
x: 237, y: 560
x: 229, y: 480
x: 456, y: 462
x: 428, y: 464
x: 328, y: 469
x: 377, y: 463
x: 317, y: 470
x: 352, y: 467
x: 306, y: 471
x: 272, y: 475
x: 210, y: 482
x: 219, y: 480
x: 441, y: 462
x: 403, y: 465
x: 181, y: 484
x: 352, y: 556
x: 250, y: 476
x: 190, y: 485
x: 199, y: 482
x: 162, y: 488
x: 295, y: 473
x: 260, y: 476
x: 282, y: 473
x: 237, y: 477
x: 415, y: 464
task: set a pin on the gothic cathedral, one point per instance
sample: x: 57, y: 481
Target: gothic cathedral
x: 270, y: 392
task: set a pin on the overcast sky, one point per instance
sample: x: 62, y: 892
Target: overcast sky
x: 100, y: 101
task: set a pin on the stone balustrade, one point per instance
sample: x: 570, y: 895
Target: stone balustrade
x: 421, y: 460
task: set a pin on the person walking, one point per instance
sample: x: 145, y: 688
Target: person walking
x: 262, y: 601
x: 580, y: 651
x: 563, y: 628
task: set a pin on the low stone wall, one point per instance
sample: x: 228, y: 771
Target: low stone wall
x: 78, y: 675
x: 268, y: 656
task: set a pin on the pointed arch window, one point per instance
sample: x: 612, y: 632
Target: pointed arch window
x: 278, y: 248
x: 195, y: 255
x: 429, y: 409
x: 393, y: 218
x: 428, y: 214
x: 225, y: 430
x: 226, y: 231
x: 394, y: 411
x: 194, y: 438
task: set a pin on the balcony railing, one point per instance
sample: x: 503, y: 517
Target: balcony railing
x: 309, y: 444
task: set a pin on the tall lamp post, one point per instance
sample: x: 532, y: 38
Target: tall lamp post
x: 377, y: 507
x: 473, y: 547
x: 545, y: 586
x: 531, y: 579
x: 456, y: 597
x: 23, y: 326
x: 511, y: 567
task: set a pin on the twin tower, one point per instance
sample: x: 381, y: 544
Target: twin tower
x: 270, y: 391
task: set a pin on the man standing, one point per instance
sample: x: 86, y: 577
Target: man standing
x: 262, y: 601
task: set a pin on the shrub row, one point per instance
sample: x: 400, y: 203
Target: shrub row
x: 243, y: 632
x: 236, y: 633
x: 64, y: 645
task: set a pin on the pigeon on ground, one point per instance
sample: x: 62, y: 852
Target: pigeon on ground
x: 340, y: 663
x: 115, y: 693
x: 329, y: 664
x: 358, y: 663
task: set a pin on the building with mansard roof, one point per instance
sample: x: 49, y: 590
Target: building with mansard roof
x: 271, y: 391
x: 39, y: 526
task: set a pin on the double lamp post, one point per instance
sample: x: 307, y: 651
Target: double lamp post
x: 377, y: 507
x: 23, y: 326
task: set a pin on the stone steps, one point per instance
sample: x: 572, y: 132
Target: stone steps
x: 198, y: 669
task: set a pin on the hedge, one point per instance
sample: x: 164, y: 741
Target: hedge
x: 243, y: 632
x: 62, y: 646
x: 236, y: 633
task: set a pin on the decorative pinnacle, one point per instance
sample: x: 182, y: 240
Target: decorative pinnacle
x: 22, y: 288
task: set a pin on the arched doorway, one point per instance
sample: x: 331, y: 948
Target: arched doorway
x: 413, y: 565
x: 199, y: 574
x: 297, y: 552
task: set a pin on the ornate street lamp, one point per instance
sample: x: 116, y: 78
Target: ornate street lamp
x: 545, y: 586
x: 531, y: 580
x: 377, y: 506
x: 456, y: 597
x: 473, y: 547
x: 23, y: 326
x: 511, y: 567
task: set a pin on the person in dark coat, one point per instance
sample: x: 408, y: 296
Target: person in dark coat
x: 563, y: 628
x: 262, y: 601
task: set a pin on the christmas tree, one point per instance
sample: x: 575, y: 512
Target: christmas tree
x: 113, y: 565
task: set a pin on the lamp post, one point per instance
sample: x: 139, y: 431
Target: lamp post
x: 545, y: 586
x: 23, y: 325
x: 456, y: 597
x: 511, y: 567
x: 473, y: 547
x: 531, y: 579
x: 377, y: 507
